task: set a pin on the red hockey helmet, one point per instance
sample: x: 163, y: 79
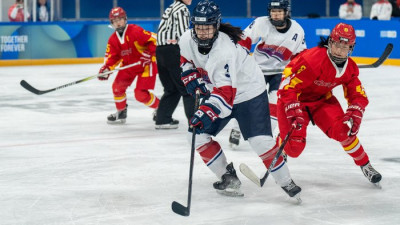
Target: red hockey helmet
x: 117, y: 12
x: 342, y: 37
x: 343, y: 33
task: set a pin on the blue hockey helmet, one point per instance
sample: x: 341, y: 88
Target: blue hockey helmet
x: 279, y: 4
x: 206, y: 13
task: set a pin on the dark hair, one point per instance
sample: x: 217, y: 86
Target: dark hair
x: 323, y: 42
x: 233, y: 32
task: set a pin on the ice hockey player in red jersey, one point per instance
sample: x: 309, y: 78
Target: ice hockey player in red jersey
x: 306, y: 95
x: 127, y: 45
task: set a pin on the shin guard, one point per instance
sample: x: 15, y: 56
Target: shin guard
x: 353, y: 147
x: 213, y: 156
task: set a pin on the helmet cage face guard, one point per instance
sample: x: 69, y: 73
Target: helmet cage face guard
x: 340, y: 44
x: 279, y: 4
x: 205, y: 13
x: 118, y: 13
x: 204, y: 43
x: 343, y: 36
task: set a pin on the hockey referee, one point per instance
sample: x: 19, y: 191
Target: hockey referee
x: 174, y: 22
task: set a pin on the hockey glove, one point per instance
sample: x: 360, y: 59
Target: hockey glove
x: 204, y: 117
x: 104, y: 69
x: 193, y: 81
x: 294, y: 114
x: 145, y: 58
x: 353, y: 117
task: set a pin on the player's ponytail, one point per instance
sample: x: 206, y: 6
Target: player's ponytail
x: 233, y: 32
x: 323, y: 43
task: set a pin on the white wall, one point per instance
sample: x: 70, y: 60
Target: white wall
x: 367, y: 5
x: 4, y: 6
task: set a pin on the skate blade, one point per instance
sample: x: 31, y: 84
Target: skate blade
x: 117, y: 122
x: 231, y: 192
x: 166, y: 127
x: 378, y: 185
x: 233, y: 146
x: 297, y: 198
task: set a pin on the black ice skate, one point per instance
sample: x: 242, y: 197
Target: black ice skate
x: 155, y: 115
x: 293, y: 191
x: 234, y: 138
x: 118, y: 118
x: 371, y: 174
x: 172, y: 125
x: 229, y: 184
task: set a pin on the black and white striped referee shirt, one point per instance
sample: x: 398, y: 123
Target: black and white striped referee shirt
x: 174, y: 22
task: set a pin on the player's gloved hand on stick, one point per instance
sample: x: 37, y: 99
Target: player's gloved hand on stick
x: 145, y: 58
x: 353, y: 117
x: 193, y: 81
x: 204, y: 117
x: 104, y: 69
x: 294, y: 114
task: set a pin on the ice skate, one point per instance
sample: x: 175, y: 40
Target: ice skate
x: 293, y: 191
x: 371, y: 174
x: 172, y: 125
x: 229, y: 184
x: 118, y: 118
x: 234, y: 138
x: 155, y: 115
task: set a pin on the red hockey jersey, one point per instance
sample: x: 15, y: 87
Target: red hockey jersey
x: 130, y: 47
x: 311, y: 76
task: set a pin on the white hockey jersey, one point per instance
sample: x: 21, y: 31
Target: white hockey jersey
x: 382, y: 10
x: 274, y: 50
x: 350, y: 11
x: 231, y: 74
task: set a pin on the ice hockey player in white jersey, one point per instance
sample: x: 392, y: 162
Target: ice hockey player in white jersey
x: 233, y: 87
x: 278, y: 39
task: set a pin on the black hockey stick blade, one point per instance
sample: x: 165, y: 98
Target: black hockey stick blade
x: 180, y: 209
x: 246, y: 171
x: 177, y: 207
x: 381, y: 59
x: 29, y: 87
x: 377, y: 63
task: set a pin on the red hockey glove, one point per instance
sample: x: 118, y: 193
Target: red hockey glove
x: 192, y: 80
x: 145, y: 58
x: 204, y: 117
x: 353, y: 117
x: 104, y: 69
x: 294, y: 114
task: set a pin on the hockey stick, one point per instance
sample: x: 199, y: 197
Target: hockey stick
x: 176, y: 206
x: 381, y: 59
x: 30, y: 88
x: 377, y: 63
x: 252, y: 176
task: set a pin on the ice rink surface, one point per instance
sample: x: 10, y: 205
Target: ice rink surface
x: 62, y: 164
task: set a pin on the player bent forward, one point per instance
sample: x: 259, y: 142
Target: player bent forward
x: 306, y: 94
x: 212, y: 60
x: 127, y: 45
